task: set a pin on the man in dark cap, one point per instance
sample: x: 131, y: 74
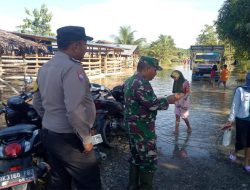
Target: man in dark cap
x: 141, y: 105
x: 64, y: 102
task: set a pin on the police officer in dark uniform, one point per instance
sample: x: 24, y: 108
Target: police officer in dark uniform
x: 64, y: 101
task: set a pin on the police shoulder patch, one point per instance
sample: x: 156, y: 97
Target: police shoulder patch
x: 80, y: 75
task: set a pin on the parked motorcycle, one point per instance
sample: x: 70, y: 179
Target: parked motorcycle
x: 21, y: 163
x: 109, y: 113
x: 21, y: 156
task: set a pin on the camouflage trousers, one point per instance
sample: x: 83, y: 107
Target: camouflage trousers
x: 143, y: 153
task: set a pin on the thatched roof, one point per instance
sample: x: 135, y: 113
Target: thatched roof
x: 35, y: 37
x: 12, y: 42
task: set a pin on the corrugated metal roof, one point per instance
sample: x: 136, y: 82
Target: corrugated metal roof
x: 129, y: 49
x: 110, y: 46
x: 126, y: 49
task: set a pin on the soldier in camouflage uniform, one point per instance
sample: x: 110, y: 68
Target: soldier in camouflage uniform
x: 141, y: 105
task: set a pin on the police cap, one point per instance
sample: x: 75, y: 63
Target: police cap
x: 72, y: 33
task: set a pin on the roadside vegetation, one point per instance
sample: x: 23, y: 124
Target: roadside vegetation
x: 37, y: 22
x: 163, y: 48
x: 231, y: 29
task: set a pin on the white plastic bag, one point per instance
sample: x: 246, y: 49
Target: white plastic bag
x: 227, y: 136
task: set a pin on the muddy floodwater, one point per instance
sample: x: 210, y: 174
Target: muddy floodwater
x: 195, y: 161
x: 187, y: 161
x: 209, y: 110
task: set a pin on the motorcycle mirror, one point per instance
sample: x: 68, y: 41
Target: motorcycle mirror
x: 102, y: 88
x: 28, y: 79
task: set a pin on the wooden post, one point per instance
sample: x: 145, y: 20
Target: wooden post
x: 25, y: 71
x: 37, y: 63
x: 89, y: 66
x: 1, y: 93
x: 114, y: 63
x: 100, y: 64
x: 106, y: 64
x: 1, y: 68
x: 1, y: 53
x: 25, y: 64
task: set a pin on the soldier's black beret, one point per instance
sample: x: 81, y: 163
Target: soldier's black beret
x: 72, y: 33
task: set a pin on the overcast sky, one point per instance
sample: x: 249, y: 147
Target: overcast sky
x: 181, y: 19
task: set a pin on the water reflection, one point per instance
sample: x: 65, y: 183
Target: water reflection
x: 209, y: 110
x: 180, y: 147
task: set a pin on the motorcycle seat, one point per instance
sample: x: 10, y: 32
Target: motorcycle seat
x: 17, y: 129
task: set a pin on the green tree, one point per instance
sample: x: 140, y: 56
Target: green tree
x: 37, y: 22
x: 126, y: 36
x: 208, y: 36
x: 163, y: 48
x: 233, y: 25
x: 182, y: 53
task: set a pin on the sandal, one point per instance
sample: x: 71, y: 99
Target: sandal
x: 246, y: 168
x: 232, y: 157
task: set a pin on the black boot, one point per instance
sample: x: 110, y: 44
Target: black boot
x: 133, y: 177
x: 146, y: 180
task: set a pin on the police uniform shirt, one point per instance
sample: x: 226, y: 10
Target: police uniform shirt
x: 64, y: 93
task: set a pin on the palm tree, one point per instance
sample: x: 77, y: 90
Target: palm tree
x: 126, y: 36
x: 162, y: 48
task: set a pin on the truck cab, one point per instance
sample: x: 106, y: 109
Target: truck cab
x: 202, y: 60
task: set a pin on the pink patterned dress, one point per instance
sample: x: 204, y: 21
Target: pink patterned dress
x: 183, y: 104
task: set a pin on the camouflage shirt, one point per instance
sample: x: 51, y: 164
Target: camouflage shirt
x: 141, y: 105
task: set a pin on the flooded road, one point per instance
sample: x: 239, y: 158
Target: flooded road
x: 209, y: 110
x: 196, y: 160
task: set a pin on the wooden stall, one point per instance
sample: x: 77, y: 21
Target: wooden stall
x: 15, y: 48
x: 23, y: 54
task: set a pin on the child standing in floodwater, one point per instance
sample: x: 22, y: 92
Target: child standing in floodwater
x: 212, y: 75
x: 224, y: 75
x: 181, y: 89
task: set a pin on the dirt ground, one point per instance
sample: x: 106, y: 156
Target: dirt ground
x: 177, y: 172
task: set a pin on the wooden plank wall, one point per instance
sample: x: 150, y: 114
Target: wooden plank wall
x: 14, y: 68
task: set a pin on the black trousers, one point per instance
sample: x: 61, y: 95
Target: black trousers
x: 242, y: 134
x: 69, y: 164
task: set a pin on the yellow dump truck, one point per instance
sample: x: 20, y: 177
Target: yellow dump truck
x: 203, y: 58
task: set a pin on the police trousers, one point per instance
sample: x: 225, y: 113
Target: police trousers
x: 70, y: 165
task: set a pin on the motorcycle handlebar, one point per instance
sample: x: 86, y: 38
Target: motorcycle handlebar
x: 96, y: 95
x: 27, y: 95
